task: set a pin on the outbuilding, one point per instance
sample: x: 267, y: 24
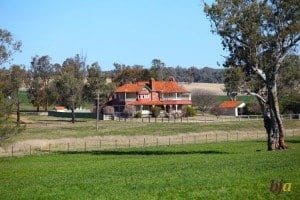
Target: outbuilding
x: 232, y: 108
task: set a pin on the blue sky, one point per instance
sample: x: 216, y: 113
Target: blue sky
x: 124, y: 31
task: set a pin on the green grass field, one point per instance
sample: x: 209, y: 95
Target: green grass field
x: 231, y: 170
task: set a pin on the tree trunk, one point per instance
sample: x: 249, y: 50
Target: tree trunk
x: 38, y: 108
x: 274, y: 105
x: 18, y: 111
x: 270, y: 125
x: 73, y: 113
x: 46, y: 106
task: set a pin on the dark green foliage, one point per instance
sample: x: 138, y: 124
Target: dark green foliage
x: 157, y: 70
x: 138, y: 114
x: 96, y: 84
x: 7, y: 125
x: 291, y: 103
x: 189, y: 111
x: 234, y: 78
x: 155, y: 111
x: 40, y: 73
x: 8, y: 46
x: 68, y: 83
x: 128, y: 74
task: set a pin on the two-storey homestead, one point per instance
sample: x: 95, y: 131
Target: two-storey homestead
x: 143, y: 95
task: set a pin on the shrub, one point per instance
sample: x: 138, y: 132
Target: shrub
x: 155, y: 111
x: 138, y: 114
x: 189, y: 111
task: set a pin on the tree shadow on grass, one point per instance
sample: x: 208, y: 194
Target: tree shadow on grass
x: 143, y: 152
x: 61, y: 120
x: 294, y: 141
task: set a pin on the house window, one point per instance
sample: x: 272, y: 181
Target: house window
x: 144, y: 96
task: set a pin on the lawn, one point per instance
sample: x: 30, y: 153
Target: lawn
x: 234, y: 170
x: 44, y: 127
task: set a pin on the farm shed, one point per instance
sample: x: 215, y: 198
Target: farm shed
x: 233, y: 108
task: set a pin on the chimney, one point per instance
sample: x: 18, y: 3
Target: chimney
x: 152, y: 82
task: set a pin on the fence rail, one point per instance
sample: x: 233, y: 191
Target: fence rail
x: 99, y: 144
x: 202, y: 118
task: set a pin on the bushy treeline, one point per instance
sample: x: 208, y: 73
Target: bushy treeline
x: 126, y: 73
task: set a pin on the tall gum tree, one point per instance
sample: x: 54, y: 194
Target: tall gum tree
x: 258, y: 35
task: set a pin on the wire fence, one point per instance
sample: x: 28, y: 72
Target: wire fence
x: 202, y: 118
x: 126, y: 142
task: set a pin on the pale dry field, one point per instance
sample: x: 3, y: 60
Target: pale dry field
x: 214, y: 88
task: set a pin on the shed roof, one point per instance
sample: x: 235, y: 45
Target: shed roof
x: 230, y: 104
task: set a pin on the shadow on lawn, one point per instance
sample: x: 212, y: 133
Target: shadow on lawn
x: 294, y: 141
x: 60, y: 120
x: 142, y: 152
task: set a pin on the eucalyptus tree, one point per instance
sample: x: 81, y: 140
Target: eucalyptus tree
x: 259, y: 34
x: 41, y: 71
x: 67, y: 85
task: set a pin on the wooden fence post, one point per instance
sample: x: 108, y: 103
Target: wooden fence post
x: 85, y: 146
x: 181, y: 139
x: 49, y: 147
x: 68, y: 147
x: 205, y: 138
x: 99, y: 144
x: 157, y: 142
x: 129, y: 143
x: 149, y: 119
x: 144, y: 142
x: 29, y: 149
x: 116, y: 144
x: 169, y: 141
x: 12, y: 150
x: 293, y: 133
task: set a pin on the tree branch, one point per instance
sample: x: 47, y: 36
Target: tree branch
x: 256, y: 95
x: 260, y: 73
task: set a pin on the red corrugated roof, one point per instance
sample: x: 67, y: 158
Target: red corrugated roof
x: 162, y: 86
x: 168, y: 87
x: 230, y: 104
x: 129, y: 87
